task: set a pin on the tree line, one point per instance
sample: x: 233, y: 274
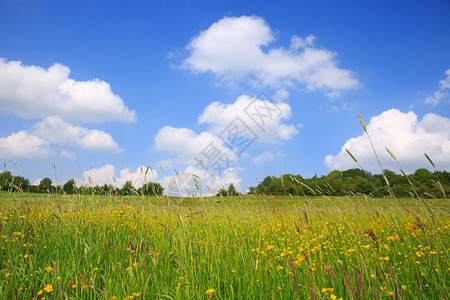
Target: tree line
x: 356, y: 181
x: 337, y: 183
x: 11, y: 183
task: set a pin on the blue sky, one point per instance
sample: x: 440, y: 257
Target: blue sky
x: 152, y: 83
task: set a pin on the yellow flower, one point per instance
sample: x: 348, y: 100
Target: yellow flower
x: 280, y: 268
x: 181, y: 278
x: 137, y: 294
x: 333, y: 297
x: 113, y: 298
x: 372, y: 276
x: 58, y: 278
x: 74, y: 286
x: 404, y: 287
x: 48, y: 269
x: 7, y: 275
x: 39, y: 293
x: 135, y: 265
x: 367, y: 247
x: 210, y: 292
x: 391, y: 293
x: 48, y: 288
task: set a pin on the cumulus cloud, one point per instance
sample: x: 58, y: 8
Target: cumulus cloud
x: 406, y: 136
x: 264, y: 118
x: 266, y: 156
x: 195, y: 182
x: 22, y: 144
x: 35, y: 92
x: 232, y: 49
x: 67, y: 154
x: 187, y: 144
x: 442, y: 91
x: 106, y: 175
x: 57, y: 131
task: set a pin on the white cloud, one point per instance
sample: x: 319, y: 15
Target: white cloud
x: 138, y: 178
x: 441, y: 92
x: 22, y: 144
x: 202, y: 183
x: 187, y: 144
x: 106, y: 174
x: 35, y: 92
x: 220, y: 115
x: 406, y: 136
x: 55, y: 130
x: 231, y: 48
x: 67, y: 154
x: 267, y: 156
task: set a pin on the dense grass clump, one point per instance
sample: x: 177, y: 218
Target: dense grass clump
x: 246, y: 247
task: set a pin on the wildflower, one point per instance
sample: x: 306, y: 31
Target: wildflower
x: 113, y: 298
x: 58, y: 278
x: 135, y: 265
x: 181, y: 278
x: 137, y: 294
x: 39, y: 293
x: 7, y: 275
x: 48, y: 269
x: 333, y: 297
x: 210, y: 292
x: 233, y: 271
x: 404, y: 287
x: 48, y: 288
x: 367, y: 247
x: 372, y: 276
x: 280, y: 268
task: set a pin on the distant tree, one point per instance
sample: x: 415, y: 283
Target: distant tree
x: 70, y: 186
x: 22, y: 183
x: 127, y: 188
x: 232, y: 190
x: 5, y: 180
x: 264, y: 184
x: 45, y: 186
x: 252, y: 190
x: 151, y: 189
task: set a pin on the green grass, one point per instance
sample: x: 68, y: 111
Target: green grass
x: 249, y: 247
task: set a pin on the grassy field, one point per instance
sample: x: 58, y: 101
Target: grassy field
x: 260, y: 247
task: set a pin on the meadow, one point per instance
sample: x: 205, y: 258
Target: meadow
x: 243, y: 247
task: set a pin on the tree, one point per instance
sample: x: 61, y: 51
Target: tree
x: 127, y: 188
x: 45, y: 186
x: 5, y: 180
x: 70, y: 186
x: 151, y: 189
x: 231, y: 191
x: 252, y: 190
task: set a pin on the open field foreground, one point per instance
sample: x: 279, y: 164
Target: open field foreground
x: 94, y: 247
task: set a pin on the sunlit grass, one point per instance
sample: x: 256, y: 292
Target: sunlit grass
x: 244, y: 247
